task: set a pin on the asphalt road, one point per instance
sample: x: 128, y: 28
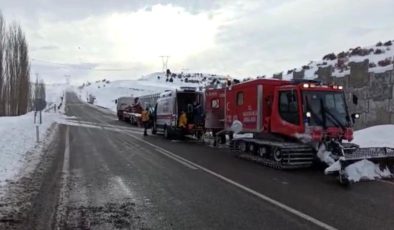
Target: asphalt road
x: 106, y: 175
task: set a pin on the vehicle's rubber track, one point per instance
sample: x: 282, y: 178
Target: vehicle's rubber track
x: 294, y: 155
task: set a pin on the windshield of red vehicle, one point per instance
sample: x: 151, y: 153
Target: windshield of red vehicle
x: 327, y: 109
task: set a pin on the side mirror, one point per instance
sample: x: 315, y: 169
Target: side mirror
x: 355, y: 116
x: 116, y: 101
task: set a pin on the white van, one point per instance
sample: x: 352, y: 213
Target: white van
x: 169, y: 106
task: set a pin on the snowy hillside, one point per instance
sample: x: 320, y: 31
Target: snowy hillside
x: 380, y: 58
x: 106, y: 91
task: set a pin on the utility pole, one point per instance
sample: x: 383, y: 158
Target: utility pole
x: 67, y: 79
x: 164, y: 60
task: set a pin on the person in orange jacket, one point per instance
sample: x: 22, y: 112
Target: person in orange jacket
x: 182, y: 123
x: 145, y: 120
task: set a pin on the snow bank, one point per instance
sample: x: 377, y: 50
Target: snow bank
x: 325, y: 156
x: 17, y: 137
x: 367, y: 170
x: 18, y: 134
x: 375, y: 136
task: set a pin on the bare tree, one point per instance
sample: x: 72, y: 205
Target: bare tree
x: 39, y: 90
x: 23, y: 72
x: 2, y: 39
x: 11, y: 75
x: 16, y: 76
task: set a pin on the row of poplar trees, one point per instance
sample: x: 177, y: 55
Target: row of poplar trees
x: 15, y: 88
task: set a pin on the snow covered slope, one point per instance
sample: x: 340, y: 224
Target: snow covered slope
x: 380, y: 58
x: 18, y: 136
x: 106, y: 91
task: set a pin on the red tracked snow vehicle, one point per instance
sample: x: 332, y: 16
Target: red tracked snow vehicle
x: 288, y: 122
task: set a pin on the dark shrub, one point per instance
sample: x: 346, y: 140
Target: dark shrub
x: 384, y: 62
x: 378, y: 51
x: 388, y: 43
x: 330, y: 56
x: 371, y: 65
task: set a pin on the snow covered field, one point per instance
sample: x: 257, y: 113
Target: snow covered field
x: 17, y: 137
x: 18, y: 144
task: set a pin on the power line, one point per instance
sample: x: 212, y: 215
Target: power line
x: 164, y: 60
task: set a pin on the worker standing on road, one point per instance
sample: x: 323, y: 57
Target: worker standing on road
x: 145, y: 120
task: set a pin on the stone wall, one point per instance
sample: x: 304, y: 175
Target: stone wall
x: 374, y: 91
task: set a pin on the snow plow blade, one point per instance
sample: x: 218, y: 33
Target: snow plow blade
x: 377, y: 155
x: 384, y: 157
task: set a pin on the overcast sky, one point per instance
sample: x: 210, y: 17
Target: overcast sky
x: 124, y: 39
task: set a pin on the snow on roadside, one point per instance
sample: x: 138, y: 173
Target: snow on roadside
x: 17, y: 137
x: 325, y: 156
x: 366, y: 170
x: 375, y: 136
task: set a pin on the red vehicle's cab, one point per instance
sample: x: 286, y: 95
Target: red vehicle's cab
x: 310, y: 110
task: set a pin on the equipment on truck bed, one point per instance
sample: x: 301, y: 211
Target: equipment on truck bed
x: 291, y: 124
x: 122, y: 104
x: 129, y: 108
